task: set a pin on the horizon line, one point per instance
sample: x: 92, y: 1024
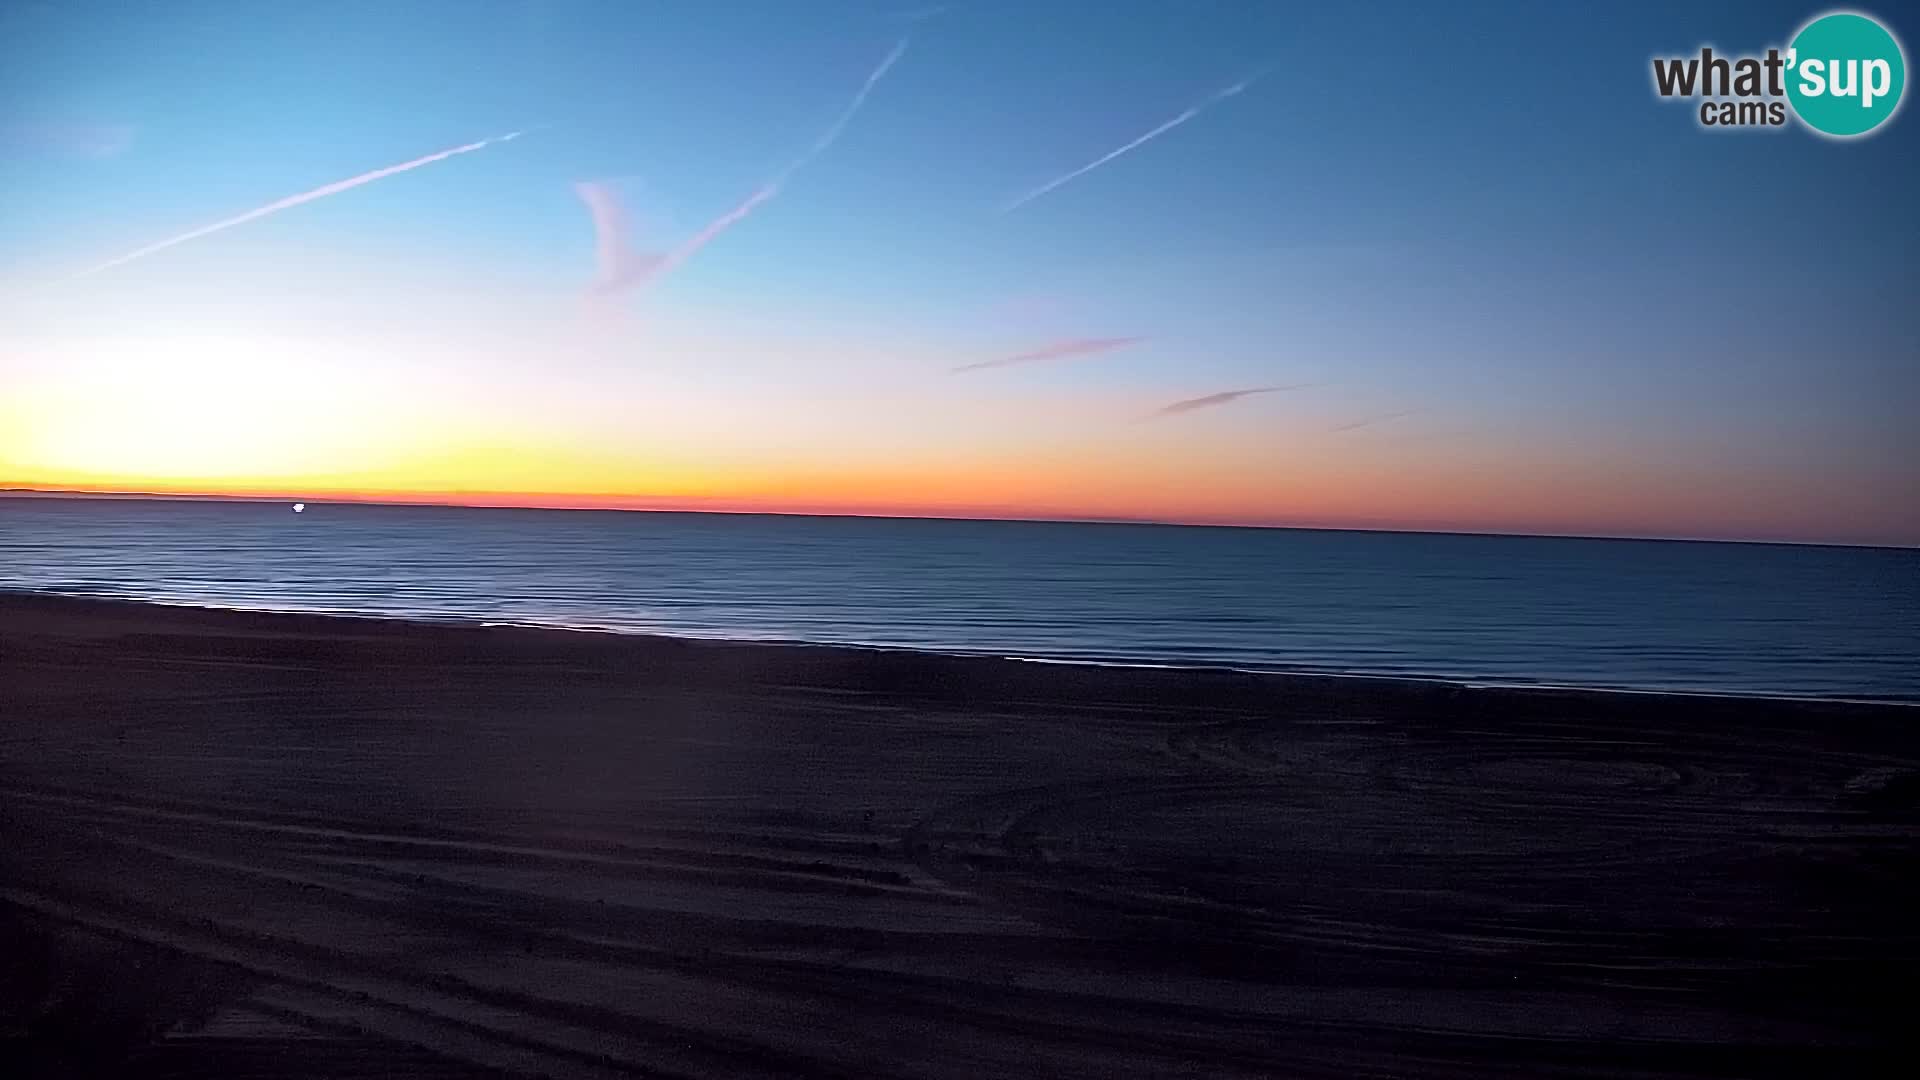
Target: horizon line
x: 425, y: 500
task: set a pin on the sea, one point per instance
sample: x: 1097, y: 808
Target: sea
x: 1624, y: 614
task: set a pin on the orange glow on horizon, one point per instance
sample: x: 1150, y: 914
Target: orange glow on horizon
x: 1487, y: 511
x: 201, y: 417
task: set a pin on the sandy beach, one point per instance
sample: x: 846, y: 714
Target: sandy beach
x: 252, y: 844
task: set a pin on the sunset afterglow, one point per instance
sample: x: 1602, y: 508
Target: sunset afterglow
x: 790, y: 264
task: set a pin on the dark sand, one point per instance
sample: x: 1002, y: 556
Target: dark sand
x: 239, y: 844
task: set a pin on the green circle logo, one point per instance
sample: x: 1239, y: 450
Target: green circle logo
x: 1845, y: 74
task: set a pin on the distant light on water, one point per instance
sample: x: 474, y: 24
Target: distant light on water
x: 299, y: 508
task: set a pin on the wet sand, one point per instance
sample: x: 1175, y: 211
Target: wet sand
x: 248, y: 844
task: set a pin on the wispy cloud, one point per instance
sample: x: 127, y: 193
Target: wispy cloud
x: 62, y: 139
x: 1209, y: 401
x: 1188, y: 114
x: 771, y: 188
x: 1372, y: 420
x: 289, y: 203
x: 619, y: 265
x: 1057, y: 350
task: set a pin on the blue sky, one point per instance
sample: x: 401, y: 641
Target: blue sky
x: 1478, y: 213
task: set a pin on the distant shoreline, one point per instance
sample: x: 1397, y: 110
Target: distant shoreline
x: 485, y: 501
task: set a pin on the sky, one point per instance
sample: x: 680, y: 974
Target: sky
x: 845, y: 257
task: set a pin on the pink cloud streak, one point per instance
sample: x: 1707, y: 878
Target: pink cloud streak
x: 1055, y: 351
x: 1372, y: 420
x: 618, y: 264
x: 1208, y: 401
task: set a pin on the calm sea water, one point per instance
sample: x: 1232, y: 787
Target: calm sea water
x: 1640, y: 614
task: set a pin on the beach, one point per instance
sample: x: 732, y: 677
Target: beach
x: 255, y: 844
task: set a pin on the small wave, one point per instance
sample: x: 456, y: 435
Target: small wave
x: 83, y: 588
x: 118, y: 591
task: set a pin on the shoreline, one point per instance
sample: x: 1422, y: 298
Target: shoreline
x: 1459, y: 681
x: 243, y: 841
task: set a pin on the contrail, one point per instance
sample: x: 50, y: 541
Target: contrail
x: 1195, y: 110
x: 1371, y: 420
x: 772, y: 187
x: 832, y: 135
x: 712, y: 230
x: 289, y: 202
x: 619, y: 265
x: 1208, y: 401
x: 1075, y: 347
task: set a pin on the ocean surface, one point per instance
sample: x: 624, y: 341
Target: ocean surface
x: 1749, y: 618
